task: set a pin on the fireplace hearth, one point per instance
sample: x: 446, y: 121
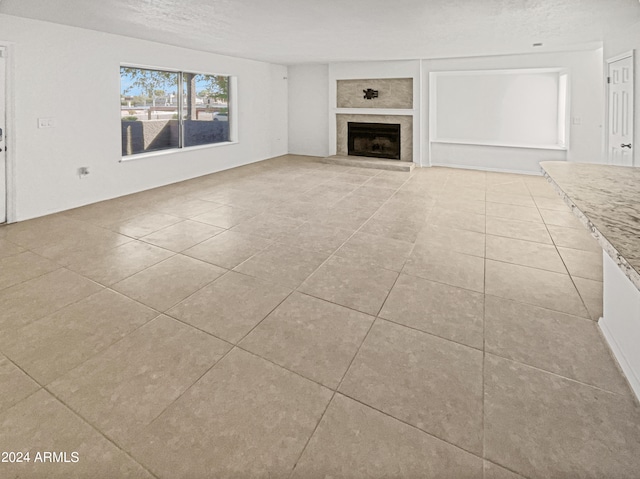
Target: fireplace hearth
x: 378, y: 140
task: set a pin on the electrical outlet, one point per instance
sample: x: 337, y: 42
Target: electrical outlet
x: 46, y: 122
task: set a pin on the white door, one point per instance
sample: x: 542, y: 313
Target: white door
x: 3, y: 136
x: 621, y: 112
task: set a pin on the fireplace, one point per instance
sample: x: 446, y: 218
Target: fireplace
x: 379, y: 140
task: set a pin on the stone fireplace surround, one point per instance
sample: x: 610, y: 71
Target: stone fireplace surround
x: 394, y: 93
x: 395, y: 98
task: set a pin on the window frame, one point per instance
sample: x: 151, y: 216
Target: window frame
x: 231, y: 112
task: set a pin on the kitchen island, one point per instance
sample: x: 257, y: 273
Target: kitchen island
x: 606, y: 199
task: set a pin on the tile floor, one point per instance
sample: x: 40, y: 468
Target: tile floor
x: 296, y: 319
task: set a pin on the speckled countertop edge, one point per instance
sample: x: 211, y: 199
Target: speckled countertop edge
x: 613, y: 253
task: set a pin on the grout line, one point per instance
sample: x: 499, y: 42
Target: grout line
x: 158, y: 313
x: 496, y: 260
x: 180, y: 300
x: 146, y: 241
x: 207, y: 284
x: 264, y: 318
x: 356, y: 354
x: 545, y: 371
x: 300, y: 375
x: 95, y: 428
x: 110, y: 284
x: 350, y: 308
x: 483, y: 420
x: 306, y: 444
x: 208, y: 333
x: 187, y: 389
x: 66, y: 305
x: 347, y: 240
x: 505, y: 468
x: 410, y: 425
x: 17, y: 366
x: 484, y: 351
x: 71, y: 410
x: 235, y: 346
x: 575, y: 286
x: 418, y: 330
x: 57, y: 268
x: 335, y: 391
x: 448, y: 284
x: 395, y: 281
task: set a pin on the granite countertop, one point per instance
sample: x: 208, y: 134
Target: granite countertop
x: 607, y: 201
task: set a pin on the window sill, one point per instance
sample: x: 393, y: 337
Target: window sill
x: 173, y: 151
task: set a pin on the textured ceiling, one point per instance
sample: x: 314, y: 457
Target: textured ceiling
x: 313, y: 31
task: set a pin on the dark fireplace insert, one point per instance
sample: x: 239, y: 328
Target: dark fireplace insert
x: 379, y: 140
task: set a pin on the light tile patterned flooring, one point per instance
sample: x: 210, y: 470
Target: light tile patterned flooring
x: 296, y: 319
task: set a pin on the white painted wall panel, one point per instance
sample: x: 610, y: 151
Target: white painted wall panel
x: 308, y: 110
x: 586, y: 108
x: 499, y: 108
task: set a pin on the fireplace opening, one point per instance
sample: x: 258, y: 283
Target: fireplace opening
x: 379, y: 140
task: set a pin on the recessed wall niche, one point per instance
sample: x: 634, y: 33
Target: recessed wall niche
x: 396, y: 93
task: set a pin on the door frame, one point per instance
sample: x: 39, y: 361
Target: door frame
x: 10, y: 156
x: 628, y: 54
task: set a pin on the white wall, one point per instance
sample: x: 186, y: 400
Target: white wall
x: 278, y: 115
x: 519, y: 107
x: 623, y: 42
x: 308, y: 110
x: 307, y: 132
x: 72, y: 75
x: 312, y: 101
x: 586, y: 138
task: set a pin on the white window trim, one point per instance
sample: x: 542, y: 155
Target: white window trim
x: 173, y: 151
